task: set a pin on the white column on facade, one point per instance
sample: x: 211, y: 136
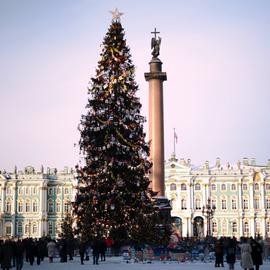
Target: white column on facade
x: 251, y: 196
x: 262, y: 189
x: 240, y: 226
x: 240, y: 199
x: 43, y: 210
x: 14, y: 210
x: 191, y: 197
x: 3, y: 196
x: 204, y: 198
x: 188, y: 197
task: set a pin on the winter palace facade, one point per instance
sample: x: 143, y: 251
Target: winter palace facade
x: 218, y: 200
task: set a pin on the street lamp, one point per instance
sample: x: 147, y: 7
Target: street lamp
x: 208, y: 211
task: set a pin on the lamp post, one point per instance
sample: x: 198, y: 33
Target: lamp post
x: 208, y: 211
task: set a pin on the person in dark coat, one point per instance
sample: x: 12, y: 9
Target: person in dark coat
x: 19, y: 252
x: 256, y: 253
x: 219, y: 254
x: 96, y: 250
x: 6, y: 255
x: 63, y: 251
x: 103, y: 249
x: 231, y: 253
x: 82, y: 248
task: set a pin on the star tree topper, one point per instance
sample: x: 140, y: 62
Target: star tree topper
x: 116, y: 14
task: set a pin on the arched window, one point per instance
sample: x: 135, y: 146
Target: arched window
x: 246, y: 228
x: 257, y: 227
x: 245, y: 204
x: 8, y: 206
x: 8, y: 191
x: 234, y: 227
x: 233, y: 187
x: 34, y: 228
x: 20, y: 207
x: 183, y: 187
x: 197, y: 186
x: 256, y: 186
x: 27, y: 229
x: 213, y: 187
x: 268, y: 228
x: 50, y: 228
x: 267, y: 203
x: 256, y: 203
x: 214, y: 227
x: 197, y: 203
x: 58, y: 190
x: 173, y: 186
x: 223, y: 187
x: 244, y: 186
x: 27, y: 206
x: 223, y: 204
x: 8, y: 229
x: 267, y: 186
x: 19, y: 228
x: 234, y: 204
x: 35, y: 206
x: 214, y: 203
x: 58, y: 207
x: 50, y: 207
x: 183, y: 204
x: 66, y: 191
x: 66, y: 206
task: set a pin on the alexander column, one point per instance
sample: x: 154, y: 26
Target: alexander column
x: 156, y: 123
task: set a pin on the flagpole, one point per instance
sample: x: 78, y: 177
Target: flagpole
x: 174, y: 141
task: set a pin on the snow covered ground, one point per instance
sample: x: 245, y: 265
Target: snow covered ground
x: 117, y: 263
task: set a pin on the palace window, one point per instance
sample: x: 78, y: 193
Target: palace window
x: 50, y: 228
x: 35, y: 206
x: 257, y: 203
x: 8, y: 191
x: 244, y: 186
x: 58, y: 190
x: 256, y: 186
x: 257, y: 227
x: 267, y: 203
x: 234, y: 227
x: 35, y: 228
x: 19, y: 228
x: 183, y: 187
x: 20, y: 190
x: 214, y: 203
x: 213, y: 187
x: 246, y: 228
x: 197, y: 186
x: 233, y: 187
x: 50, y: 191
x: 245, y: 204
x: 223, y: 204
x: 8, y: 229
x: 58, y: 207
x: 183, y: 204
x: 267, y: 186
x: 197, y: 204
x: 27, y: 206
x: 66, y: 191
x: 223, y: 187
x: 224, y: 228
x: 172, y: 187
x: 268, y: 227
x: 34, y: 190
x: 27, y: 229
x: 66, y: 206
x: 50, y: 207
x: 27, y: 190
x: 214, y: 227
x: 234, y: 205
x: 8, y: 206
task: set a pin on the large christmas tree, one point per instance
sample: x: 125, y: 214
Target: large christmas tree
x: 114, y: 198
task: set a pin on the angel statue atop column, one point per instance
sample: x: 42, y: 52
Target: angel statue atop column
x: 155, y: 45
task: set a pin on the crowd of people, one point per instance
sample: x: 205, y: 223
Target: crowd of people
x: 14, y: 253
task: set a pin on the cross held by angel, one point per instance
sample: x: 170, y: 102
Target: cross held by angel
x: 155, y: 44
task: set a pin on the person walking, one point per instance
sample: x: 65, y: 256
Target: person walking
x: 6, y: 255
x: 246, y: 259
x: 51, y: 246
x: 82, y: 249
x: 103, y: 249
x: 19, y: 252
x: 231, y: 253
x: 96, y: 250
x: 256, y: 253
x: 219, y: 254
